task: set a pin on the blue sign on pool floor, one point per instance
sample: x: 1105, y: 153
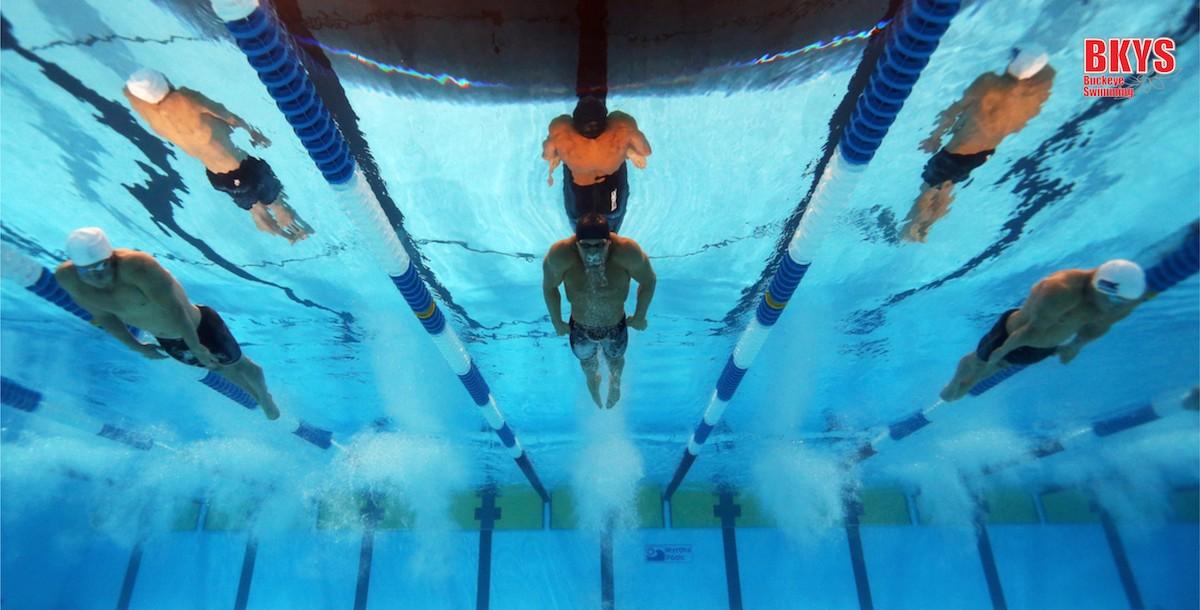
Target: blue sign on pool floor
x: 668, y: 553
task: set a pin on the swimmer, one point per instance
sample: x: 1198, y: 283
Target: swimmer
x: 992, y: 108
x: 593, y: 145
x: 1083, y: 303
x: 126, y: 287
x: 595, y: 265
x: 202, y: 129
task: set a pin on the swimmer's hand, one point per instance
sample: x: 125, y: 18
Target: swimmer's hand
x: 258, y: 139
x: 150, y: 352
x: 1067, y: 353
x: 206, y: 358
x: 931, y: 144
x: 561, y: 327
x: 639, y: 161
x: 636, y: 322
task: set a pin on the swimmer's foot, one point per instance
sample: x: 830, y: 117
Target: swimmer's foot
x: 595, y: 392
x: 951, y: 392
x: 614, y: 392
x: 269, y: 408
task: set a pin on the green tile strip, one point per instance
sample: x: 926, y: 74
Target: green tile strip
x: 884, y: 506
x: 1010, y: 506
x: 520, y: 508
x: 1068, y: 506
x: 650, y: 507
x: 693, y: 508
x: 562, y: 510
x: 185, y: 516
x: 1187, y: 505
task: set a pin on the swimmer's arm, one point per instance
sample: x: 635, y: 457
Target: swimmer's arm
x: 1047, y: 302
x: 105, y: 320
x: 1094, y: 330
x: 550, y: 150
x: 950, y: 115
x: 158, y: 286
x: 637, y: 140
x: 552, y: 277
x: 223, y: 114
x: 638, y: 264
x: 550, y: 153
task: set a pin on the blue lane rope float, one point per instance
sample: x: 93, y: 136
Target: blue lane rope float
x: 37, y: 279
x: 17, y: 396
x: 911, y: 40
x: 270, y: 49
x: 1127, y: 419
x: 1176, y: 266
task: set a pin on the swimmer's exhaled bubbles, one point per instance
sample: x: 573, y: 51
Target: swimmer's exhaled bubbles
x: 606, y: 473
x: 802, y: 490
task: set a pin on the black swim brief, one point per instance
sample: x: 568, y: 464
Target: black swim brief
x: 949, y: 166
x: 213, y: 334
x: 607, y: 197
x: 252, y: 182
x: 999, y: 334
x: 585, y: 339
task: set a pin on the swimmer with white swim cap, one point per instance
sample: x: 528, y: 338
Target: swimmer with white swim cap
x: 203, y: 128
x: 1078, y: 305
x: 994, y: 107
x: 123, y: 288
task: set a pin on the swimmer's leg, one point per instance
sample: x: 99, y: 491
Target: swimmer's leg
x: 591, y: 372
x: 931, y: 204
x: 971, y: 370
x: 246, y: 374
x: 615, y: 367
x: 293, y: 228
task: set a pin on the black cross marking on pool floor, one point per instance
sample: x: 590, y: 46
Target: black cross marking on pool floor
x: 728, y: 512
x: 486, y: 514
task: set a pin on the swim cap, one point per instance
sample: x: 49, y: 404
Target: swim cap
x: 1030, y: 60
x: 148, y: 85
x: 590, y: 117
x: 1120, y: 278
x: 88, y: 246
x: 592, y: 226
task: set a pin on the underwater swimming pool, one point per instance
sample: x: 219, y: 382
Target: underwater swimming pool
x: 835, y: 479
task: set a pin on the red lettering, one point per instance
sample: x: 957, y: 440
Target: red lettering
x: 1141, y: 52
x: 1093, y: 55
x: 1164, y: 53
x: 1118, y: 56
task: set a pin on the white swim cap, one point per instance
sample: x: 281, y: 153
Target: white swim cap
x: 88, y: 246
x: 148, y: 85
x: 1120, y: 278
x: 1030, y: 60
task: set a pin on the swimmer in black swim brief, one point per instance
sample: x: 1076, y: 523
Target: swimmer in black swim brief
x: 999, y: 334
x: 607, y: 197
x: 612, y: 339
x: 992, y: 108
x: 213, y: 335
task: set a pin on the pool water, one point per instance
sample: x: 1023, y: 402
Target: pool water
x: 416, y: 504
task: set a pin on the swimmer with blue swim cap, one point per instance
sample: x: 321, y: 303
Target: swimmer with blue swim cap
x: 593, y: 145
x: 122, y: 288
x: 595, y: 267
x: 994, y: 107
x: 1064, y: 312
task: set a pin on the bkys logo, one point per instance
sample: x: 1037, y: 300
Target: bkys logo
x: 1115, y: 67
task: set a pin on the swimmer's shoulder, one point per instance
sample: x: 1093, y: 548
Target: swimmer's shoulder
x: 626, y: 250
x: 559, y: 253
x: 560, y: 124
